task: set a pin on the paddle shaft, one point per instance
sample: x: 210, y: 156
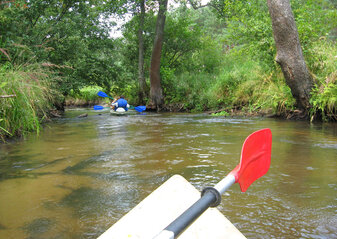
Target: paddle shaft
x: 210, y: 198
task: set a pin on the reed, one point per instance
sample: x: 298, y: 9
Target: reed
x: 33, y: 96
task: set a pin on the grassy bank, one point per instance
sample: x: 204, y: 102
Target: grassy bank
x: 27, y: 98
x: 244, y: 84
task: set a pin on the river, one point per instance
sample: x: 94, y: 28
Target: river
x: 80, y: 175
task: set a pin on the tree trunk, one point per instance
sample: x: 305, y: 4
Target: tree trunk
x: 156, y: 91
x: 289, y: 53
x: 141, y: 77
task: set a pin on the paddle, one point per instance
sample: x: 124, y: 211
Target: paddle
x: 254, y: 163
x: 140, y: 108
x: 102, y: 94
x: 98, y: 107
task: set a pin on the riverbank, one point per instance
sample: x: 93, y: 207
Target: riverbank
x: 43, y: 104
x: 245, y: 112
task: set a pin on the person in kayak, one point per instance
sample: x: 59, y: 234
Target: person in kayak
x: 120, y: 103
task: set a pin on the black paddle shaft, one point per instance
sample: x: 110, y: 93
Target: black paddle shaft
x: 210, y: 197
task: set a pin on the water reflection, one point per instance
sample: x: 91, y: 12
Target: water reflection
x: 82, y: 174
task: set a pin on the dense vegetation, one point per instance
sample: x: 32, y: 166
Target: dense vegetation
x: 218, y: 58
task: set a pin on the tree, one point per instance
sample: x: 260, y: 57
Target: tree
x: 68, y: 36
x: 289, y: 52
x: 156, y: 92
x: 141, y: 76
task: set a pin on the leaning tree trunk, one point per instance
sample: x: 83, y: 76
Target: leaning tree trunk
x: 156, y: 92
x: 289, y: 53
x: 141, y: 77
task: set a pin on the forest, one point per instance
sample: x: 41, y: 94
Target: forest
x: 248, y: 57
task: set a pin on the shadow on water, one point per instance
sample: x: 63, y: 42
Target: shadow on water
x: 86, y: 163
x: 37, y: 227
x: 87, y: 201
x: 82, y: 169
x: 22, y: 167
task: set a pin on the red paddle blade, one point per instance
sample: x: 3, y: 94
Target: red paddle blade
x: 255, y: 158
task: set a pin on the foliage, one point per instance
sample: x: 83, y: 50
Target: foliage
x: 182, y: 38
x: 73, y: 34
x: 34, y: 97
x: 249, y: 25
x: 249, y: 32
x: 129, y: 45
x: 209, y: 61
x: 314, y: 19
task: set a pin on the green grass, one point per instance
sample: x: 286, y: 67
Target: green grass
x: 323, y: 62
x: 34, y: 97
x: 241, y: 85
x: 324, y: 100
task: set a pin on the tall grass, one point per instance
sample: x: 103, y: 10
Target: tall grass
x: 242, y: 84
x: 190, y: 91
x: 33, y: 98
x: 323, y: 62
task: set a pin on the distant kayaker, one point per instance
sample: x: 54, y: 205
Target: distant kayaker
x: 120, y: 103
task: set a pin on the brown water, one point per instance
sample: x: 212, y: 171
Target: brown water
x: 82, y: 174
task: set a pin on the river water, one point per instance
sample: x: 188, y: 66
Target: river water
x: 82, y: 174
